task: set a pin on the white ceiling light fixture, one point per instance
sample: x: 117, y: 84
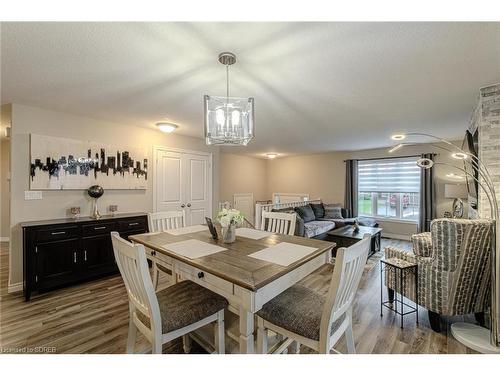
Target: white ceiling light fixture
x: 166, y: 127
x: 271, y: 155
x: 228, y: 121
x: 398, y: 137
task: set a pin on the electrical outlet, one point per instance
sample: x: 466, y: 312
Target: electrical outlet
x: 30, y: 195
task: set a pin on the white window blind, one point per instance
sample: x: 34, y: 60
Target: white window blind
x: 397, y: 175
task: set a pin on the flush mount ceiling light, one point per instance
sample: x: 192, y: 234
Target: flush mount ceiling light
x: 398, y: 137
x: 166, y: 127
x: 228, y: 121
x: 271, y: 155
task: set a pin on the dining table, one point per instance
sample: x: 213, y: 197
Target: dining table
x: 249, y: 272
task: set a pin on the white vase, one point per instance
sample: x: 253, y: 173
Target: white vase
x: 229, y: 233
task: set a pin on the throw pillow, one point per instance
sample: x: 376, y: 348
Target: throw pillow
x: 333, y: 211
x: 318, y: 209
x: 306, y: 213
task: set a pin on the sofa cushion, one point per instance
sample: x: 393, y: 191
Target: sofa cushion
x: 333, y: 211
x: 318, y: 209
x: 306, y: 213
x: 367, y: 222
x: 339, y: 223
x: 317, y: 227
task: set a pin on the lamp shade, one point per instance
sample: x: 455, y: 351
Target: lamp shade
x: 455, y: 191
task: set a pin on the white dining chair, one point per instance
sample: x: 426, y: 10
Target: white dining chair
x: 170, y: 313
x: 278, y: 222
x: 305, y: 317
x: 159, y: 222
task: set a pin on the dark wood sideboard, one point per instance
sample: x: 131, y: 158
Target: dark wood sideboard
x: 66, y: 251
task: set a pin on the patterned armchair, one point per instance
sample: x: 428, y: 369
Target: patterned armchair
x: 453, y: 268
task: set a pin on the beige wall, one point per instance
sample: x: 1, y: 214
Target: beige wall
x: 319, y: 175
x: 5, y: 172
x: 242, y: 174
x: 26, y: 120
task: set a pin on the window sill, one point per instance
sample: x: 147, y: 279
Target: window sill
x: 390, y: 220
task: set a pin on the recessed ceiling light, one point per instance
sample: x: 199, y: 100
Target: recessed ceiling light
x: 398, y: 137
x: 459, y: 155
x: 271, y: 155
x: 166, y: 127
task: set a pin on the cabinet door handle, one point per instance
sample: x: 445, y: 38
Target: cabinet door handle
x: 183, y: 205
x: 201, y: 275
x: 85, y: 255
x: 74, y: 257
x: 97, y: 228
x: 131, y: 224
x: 56, y: 233
x: 189, y: 204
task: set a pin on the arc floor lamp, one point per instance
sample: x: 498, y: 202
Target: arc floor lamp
x: 471, y: 335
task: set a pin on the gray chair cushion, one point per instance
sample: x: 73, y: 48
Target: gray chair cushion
x: 298, y: 309
x: 306, y: 213
x: 183, y: 304
x: 318, y: 209
x: 315, y: 228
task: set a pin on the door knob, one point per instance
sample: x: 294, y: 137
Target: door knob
x: 189, y: 204
x: 183, y: 205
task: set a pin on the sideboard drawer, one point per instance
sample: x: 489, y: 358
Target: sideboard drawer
x: 57, y: 233
x: 96, y: 229
x: 135, y: 224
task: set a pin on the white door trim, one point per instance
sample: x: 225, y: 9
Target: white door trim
x: 181, y: 150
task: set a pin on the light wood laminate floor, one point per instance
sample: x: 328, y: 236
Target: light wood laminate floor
x: 93, y: 318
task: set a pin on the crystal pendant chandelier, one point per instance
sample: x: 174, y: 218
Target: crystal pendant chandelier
x: 228, y: 121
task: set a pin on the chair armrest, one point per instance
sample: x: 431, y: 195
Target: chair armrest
x: 392, y: 252
x: 422, y: 244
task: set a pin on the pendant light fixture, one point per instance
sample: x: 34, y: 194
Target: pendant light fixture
x: 228, y: 121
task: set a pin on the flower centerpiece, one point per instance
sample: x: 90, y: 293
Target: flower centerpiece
x: 228, y: 219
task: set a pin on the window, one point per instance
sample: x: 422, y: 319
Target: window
x: 389, y: 188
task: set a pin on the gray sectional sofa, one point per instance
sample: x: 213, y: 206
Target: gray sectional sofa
x: 315, y: 220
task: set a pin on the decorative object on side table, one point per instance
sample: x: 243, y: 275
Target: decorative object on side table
x: 113, y: 208
x: 457, y: 192
x: 473, y: 336
x: 228, y: 220
x: 75, y: 211
x: 95, y: 192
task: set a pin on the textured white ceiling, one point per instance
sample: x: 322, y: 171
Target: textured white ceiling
x: 317, y: 86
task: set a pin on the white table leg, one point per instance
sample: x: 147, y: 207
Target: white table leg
x: 246, y: 332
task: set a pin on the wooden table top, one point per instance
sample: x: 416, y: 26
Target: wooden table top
x: 234, y: 265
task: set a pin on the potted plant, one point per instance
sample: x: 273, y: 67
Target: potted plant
x: 228, y: 219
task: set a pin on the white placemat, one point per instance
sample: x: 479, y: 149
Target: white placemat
x: 187, y: 230
x: 254, y: 234
x: 193, y: 248
x: 284, y: 253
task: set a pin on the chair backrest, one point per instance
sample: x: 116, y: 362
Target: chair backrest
x: 278, y: 222
x: 133, y: 266
x: 161, y: 221
x: 349, y: 265
x: 456, y: 238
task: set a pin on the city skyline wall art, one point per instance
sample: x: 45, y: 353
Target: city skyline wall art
x: 64, y: 164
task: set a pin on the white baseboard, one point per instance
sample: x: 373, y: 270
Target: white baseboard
x: 13, y: 288
x: 4, y: 239
x: 396, y: 236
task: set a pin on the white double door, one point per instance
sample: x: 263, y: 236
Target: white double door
x: 184, y: 182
